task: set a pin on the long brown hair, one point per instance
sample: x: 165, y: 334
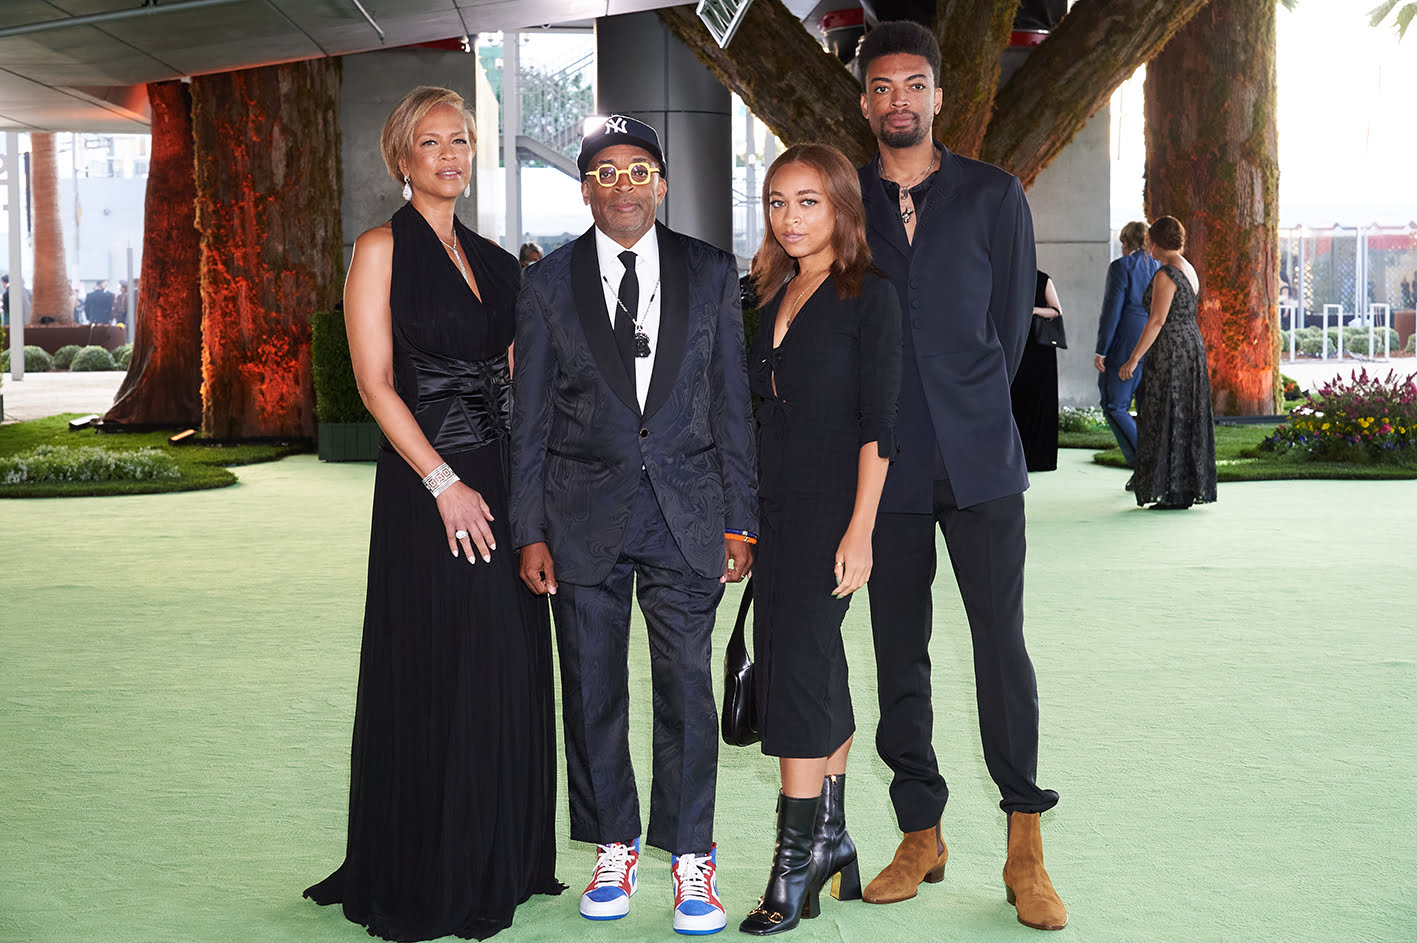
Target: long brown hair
x: 772, y: 266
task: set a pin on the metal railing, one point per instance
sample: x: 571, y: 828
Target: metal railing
x: 554, y: 104
x: 1348, y: 277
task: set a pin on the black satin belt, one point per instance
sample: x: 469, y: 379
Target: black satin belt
x: 463, y: 404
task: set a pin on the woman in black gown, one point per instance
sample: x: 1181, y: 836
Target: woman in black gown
x: 826, y: 366
x: 1035, y: 388
x: 452, y: 774
x: 1175, y: 464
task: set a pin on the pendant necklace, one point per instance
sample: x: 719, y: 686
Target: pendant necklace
x: 452, y: 247
x: 907, y: 202
x: 641, y: 338
x: 810, y: 287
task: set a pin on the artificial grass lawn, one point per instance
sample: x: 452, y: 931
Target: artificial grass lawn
x: 203, y: 465
x: 1238, y: 458
x: 1226, y: 699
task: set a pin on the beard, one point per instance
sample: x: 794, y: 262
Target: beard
x: 903, y: 137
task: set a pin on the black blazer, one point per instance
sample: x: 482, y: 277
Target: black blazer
x: 579, y: 439
x: 966, y: 298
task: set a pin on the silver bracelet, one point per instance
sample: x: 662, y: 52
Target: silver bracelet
x: 440, y: 479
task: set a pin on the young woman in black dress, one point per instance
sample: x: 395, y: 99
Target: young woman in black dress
x: 452, y: 774
x: 826, y: 366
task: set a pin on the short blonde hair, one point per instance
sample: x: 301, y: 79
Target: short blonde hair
x: 1133, y: 236
x: 396, y: 140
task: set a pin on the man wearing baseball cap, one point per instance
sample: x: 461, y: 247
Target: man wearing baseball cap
x: 633, y: 466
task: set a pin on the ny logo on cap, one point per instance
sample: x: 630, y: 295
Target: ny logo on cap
x: 616, y: 125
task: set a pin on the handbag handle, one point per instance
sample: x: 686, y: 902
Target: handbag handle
x: 737, y: 645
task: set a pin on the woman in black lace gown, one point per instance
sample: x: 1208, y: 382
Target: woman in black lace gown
x: 826, y: 366
x: 452, y: 772
x: 1175, y: 464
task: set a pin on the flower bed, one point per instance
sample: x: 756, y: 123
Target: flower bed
x: 1362, y: 420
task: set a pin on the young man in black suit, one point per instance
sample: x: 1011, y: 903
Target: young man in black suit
x: 633, y: 463
x: 956, y: 237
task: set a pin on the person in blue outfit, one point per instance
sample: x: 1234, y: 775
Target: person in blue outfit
x: 633, y: 468
x: 1118, y: 328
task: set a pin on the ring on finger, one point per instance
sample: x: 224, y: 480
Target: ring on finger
x: 461, y: 534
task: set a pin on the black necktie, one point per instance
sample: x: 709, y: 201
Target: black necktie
x: 625, y: 312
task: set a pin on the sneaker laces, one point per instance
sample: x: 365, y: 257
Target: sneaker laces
x: 611, y: 865
x: 693, y: 873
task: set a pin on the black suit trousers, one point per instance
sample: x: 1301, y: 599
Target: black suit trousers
x: 986, y: 547
x: 593, y: 635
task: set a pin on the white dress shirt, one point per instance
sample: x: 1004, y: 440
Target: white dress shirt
x: 647, y: 270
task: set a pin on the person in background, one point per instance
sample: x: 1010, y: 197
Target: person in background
x: 120, y: 304
x: 1034, y: 392
x: 1120, y: 324
x: 1175, y: 430
x: 530, y: 252
x: 98, y: 305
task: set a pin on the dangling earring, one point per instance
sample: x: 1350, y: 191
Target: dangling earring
x: 467, y: 190
x: 407, y: 190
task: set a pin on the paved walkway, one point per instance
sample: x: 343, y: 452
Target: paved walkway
x: 48, y: 394
x: 1311, y: 373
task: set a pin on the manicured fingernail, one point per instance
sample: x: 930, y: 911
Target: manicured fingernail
x: 487, y: 557
x: 493, y: 546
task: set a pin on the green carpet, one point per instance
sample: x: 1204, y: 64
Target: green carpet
x: 1227, y: 708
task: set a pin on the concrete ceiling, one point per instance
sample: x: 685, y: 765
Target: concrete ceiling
x: 89, y: 76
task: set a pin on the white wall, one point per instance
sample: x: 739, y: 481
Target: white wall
x: 1071, y: 209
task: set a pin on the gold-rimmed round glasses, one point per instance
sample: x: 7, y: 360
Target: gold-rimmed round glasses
x: 639, y: 172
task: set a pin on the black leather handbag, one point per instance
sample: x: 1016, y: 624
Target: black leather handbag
x: 740, y: 707
x: 1048, y: 332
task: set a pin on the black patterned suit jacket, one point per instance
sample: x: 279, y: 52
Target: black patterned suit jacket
x: 579, y: 437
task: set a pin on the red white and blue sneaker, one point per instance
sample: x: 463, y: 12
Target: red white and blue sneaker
x: 607, y: 896
x: 697, y: 909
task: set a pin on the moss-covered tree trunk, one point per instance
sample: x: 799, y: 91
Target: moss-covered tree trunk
x: 163, y: 386
x: 789, y: 81
x: 804, y: 94
x: 53, y: 298
x: 972, y: 35
x: 268, y: 209
x: 1212, y: 162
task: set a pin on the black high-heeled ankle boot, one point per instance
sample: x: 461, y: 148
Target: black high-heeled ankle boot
x: 833, y: 851
x: 792, y: 884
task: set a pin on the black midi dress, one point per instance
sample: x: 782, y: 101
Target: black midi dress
x: 1034, y: 395
x: 837, y: 379
x: 452, y: 771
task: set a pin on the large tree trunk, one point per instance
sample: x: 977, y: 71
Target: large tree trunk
x: 163, y: 386
x: 972, y: 35
x: 53, y: 298
x: 804, y: 94
x: 268, y: 208
x: 789, y: 81
x: 1212, y: 162
x: 1096, y: 47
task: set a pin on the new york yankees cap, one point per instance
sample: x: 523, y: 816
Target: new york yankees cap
x: 603, y: 132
